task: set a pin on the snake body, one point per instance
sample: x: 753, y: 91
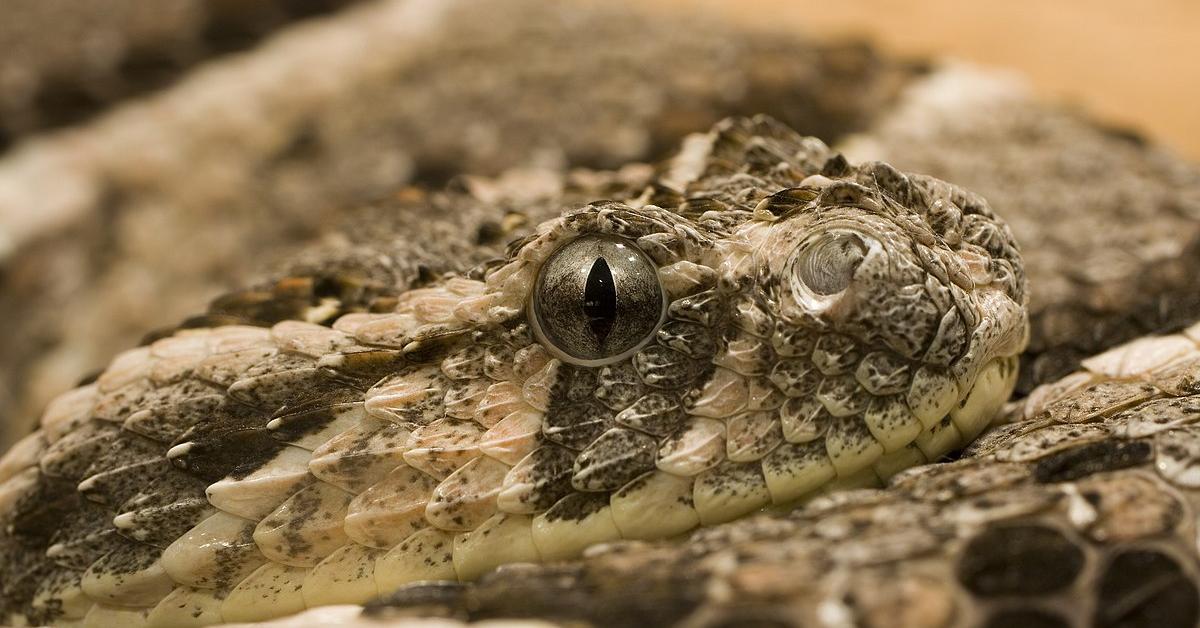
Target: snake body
x: 770, y: 323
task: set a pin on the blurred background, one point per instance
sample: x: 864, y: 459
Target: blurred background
x: 1133, y: 63
x: 156, y: 154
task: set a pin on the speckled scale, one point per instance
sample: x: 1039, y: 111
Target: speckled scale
x: 656, y: 413
x: 682, y: 278
x: 696, y: 446
x: 36, y: 503
x: 361, y: 456
x: 59, y: 596
x: 70, y: 456
x: 160, y: 524
x: 619, y: 386
x: 163, y: 489
x: 363, y: 365
x: 1156, y: 415
x: 751, y: 436
x: 613, y: 459
x: 834, y: 354
x: 575, y: 384
x: 124, y: 467
x: 462, y: 398
x: 467, y: 497
x: 949, y: 340
x: 907, y: 335
x: 746, y: 353
x: 151, y: 397
x: 311, y: 424
x: 842, y: 395
x: 723, y: 394
x: 83, y: 535
x: 498, y: 362
x: 219, y: 453
x: 306, y: 527
x: 271, y: 391
x: 692, y: 339
x: 538, y: 481
x: 703, y: 308
x: 116, y: 404
x: 128, y: 575
x: 851, y: 446
x: 168, y: 422
x: 414, y: 395
x: 224, y: 369
x: 796, y: 377
x: 790, y: 341
x: 576, y: 425
x: 1099, y: 398
x: 443, y: 446
x: 883, y: 373
x: 465, y: 363
x: 390, y: 510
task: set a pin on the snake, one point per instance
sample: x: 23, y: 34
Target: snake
x: 754, y: 324
x: 1077, y: 512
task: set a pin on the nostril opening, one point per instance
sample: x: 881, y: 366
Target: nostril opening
x: 827, y: 265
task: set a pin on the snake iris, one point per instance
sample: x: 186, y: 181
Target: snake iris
x: 765, y: 323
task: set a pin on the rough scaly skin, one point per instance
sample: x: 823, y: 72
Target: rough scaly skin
x: 231, y: 473
x: 1082, y: 512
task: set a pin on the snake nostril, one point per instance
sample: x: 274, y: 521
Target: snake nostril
x: 826, y: 266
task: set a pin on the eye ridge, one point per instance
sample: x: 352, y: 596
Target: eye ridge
x: 600, y: 300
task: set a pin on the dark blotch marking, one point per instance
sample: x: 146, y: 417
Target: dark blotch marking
x: 1145, y: 588
x: 1019, y: 560
x: 1085, y: 460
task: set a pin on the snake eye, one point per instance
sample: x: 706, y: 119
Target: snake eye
x: 597, y: 300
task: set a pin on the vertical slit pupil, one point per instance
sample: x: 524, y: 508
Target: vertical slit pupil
x: 600, y: 300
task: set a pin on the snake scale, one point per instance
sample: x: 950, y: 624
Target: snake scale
x: 756, y: 323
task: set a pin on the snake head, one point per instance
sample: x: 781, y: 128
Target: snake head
x: 768, y: 325
x: 761, y: 324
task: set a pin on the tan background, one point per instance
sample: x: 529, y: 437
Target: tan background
x: 1133, y: 63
